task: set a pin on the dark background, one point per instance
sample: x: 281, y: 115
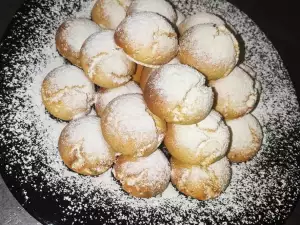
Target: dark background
x: 279, y: 19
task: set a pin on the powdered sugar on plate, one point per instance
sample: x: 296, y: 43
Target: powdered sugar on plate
x: 261, y: 191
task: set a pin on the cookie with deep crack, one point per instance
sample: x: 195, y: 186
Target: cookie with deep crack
x: 67, y: 93
x: 202, y: 183
x: 104, y: 62
x: 202, y: 143
x: 83, y: 148
x: 210, y: 48
x: 143, y: 177
x: 238, y: 93
x: 71, y: 35
x: 109, y: 13
x: 177, y: 94
x: 147, y: 38
x: 130, y: 127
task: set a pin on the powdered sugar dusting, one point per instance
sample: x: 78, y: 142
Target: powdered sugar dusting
x: 222, y: 170
x: 100, y: 51
x: 88, y: 130
x: 107, y: 95
x: 210, y: 43
x: 204, y: 142
x: 69, y: 85
x: 77, y: 31
x: 261, y: 191
x: 183, y: 91
x: 147, y: 31
x: 125, y: 119
x: 175, y: 77
x: 67, y: 76
x: 152, y: 171
x: 199, y: 18
x: 245, y: 131
x: 113, y: 11
x: 161, y: 7
x: 180, y: 17
x: 238, y: 92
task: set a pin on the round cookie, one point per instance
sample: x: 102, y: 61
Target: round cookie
x: 160, y: 7
x: 83, y: 148
x: 104, y: 62
x: 67, y: 93
x: 209, y: 48
x: 109, y: 13
x: 247, y: 138
x: 236, y: 94
x: 199, y: 18
x: 130, y: 128
x: 177, y: 94
x: 71, y: 35
x: 147, y: 38
x: 200, y: 182
x: 199, y: 144
x: 147, y: 70
x: 143, y: 177
x: 105, y: 96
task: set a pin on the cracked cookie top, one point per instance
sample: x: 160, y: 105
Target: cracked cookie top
x: 177, y: 93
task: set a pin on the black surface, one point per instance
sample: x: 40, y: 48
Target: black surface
x: 278, y: 19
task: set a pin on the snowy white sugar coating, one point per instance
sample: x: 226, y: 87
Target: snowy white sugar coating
x: 218, y: 173
x: 141, y: 27
x: 100, y: 52
x: 199, y: 18
x: 161, y: 7
x: 211, y: 43
x: 83, y: 148
x: 100, y: 42
x: 151, y: 171
x: 126, y: 119
x: 101, y: 49
x: 180, y: 17
x: 67, y: 76
x: 201, y: 143
x: 112, y: 12
x: 238, y: 92
x: 69, y: 85
x: 77, y: 31
x: 246, y: 133
x: 222, y: 171
x: 261, y: 191
x: 104, y: 97
x: 147, y: 37
x: 180, y: 78
x: 88, y: 131
x: 174, y: 61
x: 183, y: 90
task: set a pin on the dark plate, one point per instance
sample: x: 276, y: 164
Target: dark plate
x: 262, y: 191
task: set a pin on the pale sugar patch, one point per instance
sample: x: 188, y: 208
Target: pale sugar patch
x: 161, y: 7
x: 77, y: 31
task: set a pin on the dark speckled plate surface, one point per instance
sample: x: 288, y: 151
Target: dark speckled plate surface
x: 262, y: 191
